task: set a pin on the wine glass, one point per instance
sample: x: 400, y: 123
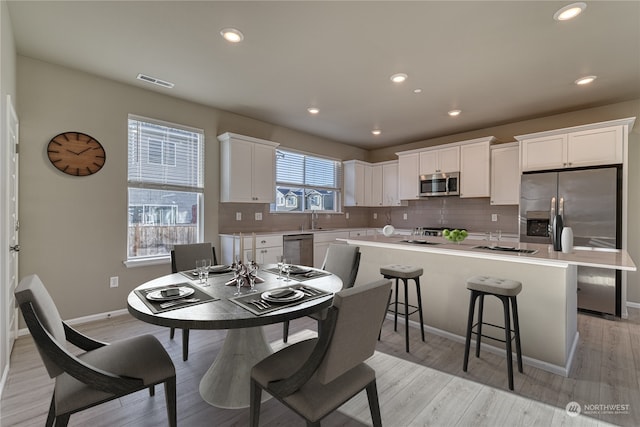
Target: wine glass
x: 200, y: 270
x: 281, y: 263
x: 287, y: 270
x: 206, y: 265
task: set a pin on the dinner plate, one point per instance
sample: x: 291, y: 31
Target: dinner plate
x: 157, y: 294
x: 219, y: 268
x: 296, y: 269
x: 296, y: 296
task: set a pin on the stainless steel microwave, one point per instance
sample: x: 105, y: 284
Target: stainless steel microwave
x: 440, y: 184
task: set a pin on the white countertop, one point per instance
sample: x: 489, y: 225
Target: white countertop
x: 617, y: 259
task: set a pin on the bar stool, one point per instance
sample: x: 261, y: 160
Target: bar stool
x: 505, y: 290
x: 405, y: 273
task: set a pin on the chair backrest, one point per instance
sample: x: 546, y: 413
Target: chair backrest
x: 32, y: 290
x: 343, y: 261
x: 183, y: 257
x: 361, y: 310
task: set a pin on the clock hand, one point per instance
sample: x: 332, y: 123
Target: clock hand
x: 77, y: 154
x: 86, y: 149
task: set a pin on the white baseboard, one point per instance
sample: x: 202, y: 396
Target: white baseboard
x: 84, y: 319
x: 3, y: 379
x: 633, y: 304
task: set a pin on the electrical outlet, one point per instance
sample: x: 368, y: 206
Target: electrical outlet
x: 405, y: 216
x: 375, y: 215
x: 494, y: 217
x: 238, y: 216
x: 346, y: 215
x: 258, y: 216
x: 113, y: 282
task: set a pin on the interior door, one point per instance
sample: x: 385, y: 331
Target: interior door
x: 10, y: 279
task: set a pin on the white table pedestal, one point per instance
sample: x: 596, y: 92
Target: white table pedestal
x: 226, y: 382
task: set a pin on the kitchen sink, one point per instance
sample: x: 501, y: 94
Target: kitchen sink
x: 507, y: 249
x: 421, y: 242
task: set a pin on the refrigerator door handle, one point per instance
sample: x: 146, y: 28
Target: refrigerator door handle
x: 561, y: 207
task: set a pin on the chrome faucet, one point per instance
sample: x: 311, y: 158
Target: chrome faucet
x: 314, y: 219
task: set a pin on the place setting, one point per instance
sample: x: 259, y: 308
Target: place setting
x: 276, y: 299
x: 299, y: 272
x: 172, y: 297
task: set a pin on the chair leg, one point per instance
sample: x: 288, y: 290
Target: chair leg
x: 507, y: 338
x: 51, y: 416
x: 406, y: 314
x: 395, y: 314
x: 285, y: 331
x: 480, y: 316
x: 374, y: 405
x: 172, y: 333
x: 467, y: 343
x: 185, y: 344
x: 516, y: 327
x: 152, y: 391
x: 385, y: 313
x: 255, y: 396
x: 62, y: 420
x: 170, y: 398
x: 417, y: 281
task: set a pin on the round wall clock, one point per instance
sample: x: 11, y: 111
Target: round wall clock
x: 76, y: 153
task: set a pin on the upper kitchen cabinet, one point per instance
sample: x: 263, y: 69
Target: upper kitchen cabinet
x: 475, y: 172
x: 505, y: 174
x: 408, y: 174
x: 440, y: 160
x: 357, y: 183
x: 247, y: 168
x: 588, y: 145
x: 390, y: 184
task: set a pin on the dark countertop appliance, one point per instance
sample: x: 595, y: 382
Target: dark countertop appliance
x: 589, y: 201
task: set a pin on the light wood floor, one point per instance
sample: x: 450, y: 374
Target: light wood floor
x: 425, y: 387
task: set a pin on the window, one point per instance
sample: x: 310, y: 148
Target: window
x: 165, y: 187
x: 305, y: 183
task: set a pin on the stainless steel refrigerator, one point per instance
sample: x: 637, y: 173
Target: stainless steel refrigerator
x: 589, y: 201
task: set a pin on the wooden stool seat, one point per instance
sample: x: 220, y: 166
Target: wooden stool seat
x: 405, y: 273
x: 505, y: 290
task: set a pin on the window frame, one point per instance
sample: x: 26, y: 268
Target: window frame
x: 338, y: 189
x: 135, y: 156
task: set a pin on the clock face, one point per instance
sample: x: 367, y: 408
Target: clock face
x: 76, y: 153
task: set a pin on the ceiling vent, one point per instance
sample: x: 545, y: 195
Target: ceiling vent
x: 155, y: 81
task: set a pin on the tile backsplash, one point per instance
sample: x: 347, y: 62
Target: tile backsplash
x: 473, y: 214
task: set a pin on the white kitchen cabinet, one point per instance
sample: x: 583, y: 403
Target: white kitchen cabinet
x: 589, y: 145
x: 247, y: 169
x: 321, y: 242
x: 440, y: 160
x: 376, y: 190
x: 475, y: 171
x: 505, y: 174
x: 357, y: 183
x: 408, y: 175
x: 390, y: 184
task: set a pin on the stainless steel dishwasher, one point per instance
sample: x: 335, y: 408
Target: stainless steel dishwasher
x: 298, y: 249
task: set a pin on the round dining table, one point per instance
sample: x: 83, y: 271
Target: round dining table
x: 226, y: 382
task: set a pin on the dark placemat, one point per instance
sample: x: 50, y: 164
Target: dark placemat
x: 193, y: 274
x: 310, y: 293
x: 313, y: 274
x: 155, y: 306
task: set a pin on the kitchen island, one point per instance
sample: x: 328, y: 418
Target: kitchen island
x: 547, y: 305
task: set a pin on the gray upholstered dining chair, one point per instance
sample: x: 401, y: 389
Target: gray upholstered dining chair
x: 341, y: 260
x: 316, y: 376
x: 103, y: 372
x: 183, y: 258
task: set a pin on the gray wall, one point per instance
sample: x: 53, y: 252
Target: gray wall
x: 74, y: 228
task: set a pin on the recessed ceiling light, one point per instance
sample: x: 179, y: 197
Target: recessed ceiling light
x: 399, y: 77
x: 376, y: 131
x: 454, y: 113
x: 232, y: 35
x: 313, y: 110
x: 418, y: 90
x: 569, y: 11
x: 585, y: 80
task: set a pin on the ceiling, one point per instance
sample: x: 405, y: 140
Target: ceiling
x: 498, y: 62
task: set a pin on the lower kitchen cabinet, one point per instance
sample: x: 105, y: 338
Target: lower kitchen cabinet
x: 268, y: 247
